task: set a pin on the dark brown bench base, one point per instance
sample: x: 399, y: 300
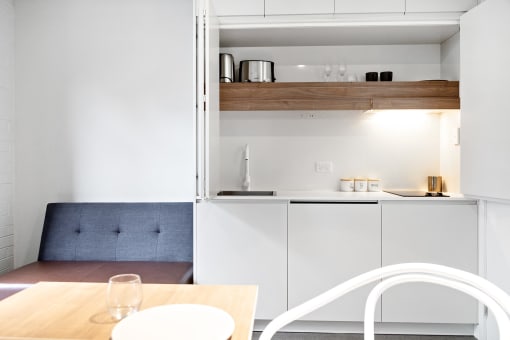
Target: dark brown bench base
x: 93, y: 271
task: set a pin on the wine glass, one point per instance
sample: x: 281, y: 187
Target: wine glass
x: 341, y: 72
x: 124, y: 295
x: 328, y: 70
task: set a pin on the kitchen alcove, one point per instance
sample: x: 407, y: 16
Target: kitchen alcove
x: 339, y: 95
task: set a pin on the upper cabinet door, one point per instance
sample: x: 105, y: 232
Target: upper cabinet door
x: 238, y: 7
x: 423, y: 6
x: 485, y: 108
x: 292, y: 7
x: 369, y: 6
x: 207, y: 98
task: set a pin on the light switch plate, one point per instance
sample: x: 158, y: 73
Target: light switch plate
x: 325, y: 167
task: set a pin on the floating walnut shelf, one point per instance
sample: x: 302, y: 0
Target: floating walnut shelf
x: 431, y: 94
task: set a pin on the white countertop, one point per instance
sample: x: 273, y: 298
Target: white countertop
x: 340, y: 196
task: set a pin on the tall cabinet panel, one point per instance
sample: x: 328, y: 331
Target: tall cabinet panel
x: 439, y: 233
x: 208, y: 105
x: 329, y: 244
x: 244, y: 243
x: 485, y: 160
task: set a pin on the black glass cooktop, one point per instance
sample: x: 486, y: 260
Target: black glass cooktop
x: 415, y: 193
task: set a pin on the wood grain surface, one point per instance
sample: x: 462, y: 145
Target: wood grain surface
x: 339, y: 96
x: 56, y: 310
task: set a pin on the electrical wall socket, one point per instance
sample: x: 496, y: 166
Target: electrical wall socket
x: 308, y: 115
x: 456, y: 136
x: 325, y: 167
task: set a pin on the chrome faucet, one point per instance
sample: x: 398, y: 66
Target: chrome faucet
x: 247, y: 180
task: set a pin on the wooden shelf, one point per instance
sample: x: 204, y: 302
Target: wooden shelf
x: 339, y: 96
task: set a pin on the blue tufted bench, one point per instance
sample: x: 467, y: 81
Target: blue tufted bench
x: 89, y: 242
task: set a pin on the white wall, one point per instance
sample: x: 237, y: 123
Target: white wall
x: 450, y: 121
x: 104, y: 105
x: 401, y: 148
x: 408, y: 62
x: 449, y: 160
x: 6, y: 135
x: 450, y: 58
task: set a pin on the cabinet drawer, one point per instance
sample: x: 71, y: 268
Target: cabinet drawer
x: 329, y: 244
x: 445, y: 234
x: 244, y: 243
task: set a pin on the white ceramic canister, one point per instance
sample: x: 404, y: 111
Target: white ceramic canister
x: 374, y: 184
x: 346, y: 184
x: 360, y: 184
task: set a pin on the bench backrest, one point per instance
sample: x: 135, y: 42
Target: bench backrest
x: 118, y: 232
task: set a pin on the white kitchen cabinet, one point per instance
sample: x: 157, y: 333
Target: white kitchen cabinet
x: 485, y: 160
x: 292, y: 7
x: 434, y: 232
x: 244, y: 243
x: 423, y: 6
x: 328, y: 244
x: 369, y: 6
x: 238, y: 7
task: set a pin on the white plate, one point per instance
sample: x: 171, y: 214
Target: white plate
x: 179, y: 322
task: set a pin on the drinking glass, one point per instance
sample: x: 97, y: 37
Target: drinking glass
x: 124, y: 295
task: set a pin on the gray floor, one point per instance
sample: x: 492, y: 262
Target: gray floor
x: 324, y: 336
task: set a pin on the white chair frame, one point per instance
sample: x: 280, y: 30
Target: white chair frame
x: 486, y: 292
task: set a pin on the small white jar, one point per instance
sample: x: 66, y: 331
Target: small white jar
x: 346, y: 184
x: 374, y: 184
x: 360, y: 184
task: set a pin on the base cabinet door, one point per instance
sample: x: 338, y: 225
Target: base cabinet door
x: 329, y: 244
x: 244, y: 243
x: 443, y: 233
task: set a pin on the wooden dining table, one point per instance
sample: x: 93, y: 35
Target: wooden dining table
x: 69, y: 310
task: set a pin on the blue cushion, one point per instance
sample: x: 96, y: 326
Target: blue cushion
x: 118, y: 232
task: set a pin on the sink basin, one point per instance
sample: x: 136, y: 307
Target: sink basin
x: 247, y: 193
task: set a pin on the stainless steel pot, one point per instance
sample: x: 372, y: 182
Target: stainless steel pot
x: 256, y: 71
x: 227, y: 74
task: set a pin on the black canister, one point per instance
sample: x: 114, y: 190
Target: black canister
x: 371, y: 76
x: 386, y: 76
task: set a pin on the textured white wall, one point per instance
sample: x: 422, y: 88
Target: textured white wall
x: 6, y: 135
x: 104, y: 104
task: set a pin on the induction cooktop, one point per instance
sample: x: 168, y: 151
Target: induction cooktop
x: 415, y: 193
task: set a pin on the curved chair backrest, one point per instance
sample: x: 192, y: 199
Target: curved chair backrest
x: 488, y: 293
x: 500, y: 315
